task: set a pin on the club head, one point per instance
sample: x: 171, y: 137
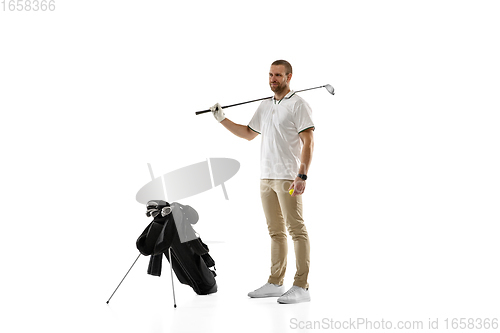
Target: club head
x: 330, y: 89
x: 165, y: 211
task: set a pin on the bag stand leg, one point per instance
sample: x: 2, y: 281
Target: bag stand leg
x: 123, y: 278
x: 171, y: 274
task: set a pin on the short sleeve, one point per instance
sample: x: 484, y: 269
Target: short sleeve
x: 303, y: 117
x: 255, y: 122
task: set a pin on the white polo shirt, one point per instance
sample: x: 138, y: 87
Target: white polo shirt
x: 280, y: 123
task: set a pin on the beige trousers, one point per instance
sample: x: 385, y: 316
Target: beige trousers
x: 284, y: 212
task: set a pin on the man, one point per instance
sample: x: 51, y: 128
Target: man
x: 287, y: 145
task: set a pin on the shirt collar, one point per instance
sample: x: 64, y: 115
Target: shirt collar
x: 289, y: 95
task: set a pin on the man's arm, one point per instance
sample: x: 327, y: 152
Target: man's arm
x: 239, y: 130
x: 299, y: 185
x: 307, y: 150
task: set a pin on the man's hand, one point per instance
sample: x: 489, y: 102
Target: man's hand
x: 218, y: 113
x: 299, y: 186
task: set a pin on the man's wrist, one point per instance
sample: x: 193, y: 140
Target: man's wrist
x: 302, y: 176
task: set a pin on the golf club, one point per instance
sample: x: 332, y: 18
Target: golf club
x: 328, y: 87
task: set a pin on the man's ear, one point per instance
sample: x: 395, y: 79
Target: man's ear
x: 288, y: 77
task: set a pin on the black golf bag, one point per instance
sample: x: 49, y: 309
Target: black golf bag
x: 172, y: 229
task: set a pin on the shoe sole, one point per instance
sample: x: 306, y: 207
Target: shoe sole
x: 265, y: 295
x: 294, y: 301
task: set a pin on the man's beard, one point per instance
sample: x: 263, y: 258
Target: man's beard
x: 279, y: 88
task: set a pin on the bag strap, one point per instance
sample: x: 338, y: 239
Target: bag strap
x: 157, y: 236
x: 147, y: 240
x: 164, y: 240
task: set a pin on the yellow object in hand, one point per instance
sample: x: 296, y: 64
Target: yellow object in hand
x: 291, y: 191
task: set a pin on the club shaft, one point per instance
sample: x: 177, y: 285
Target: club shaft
x: 228, y: 106
x: 255, y: 100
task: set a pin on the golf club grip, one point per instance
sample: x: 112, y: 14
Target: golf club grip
x: 204, y: 111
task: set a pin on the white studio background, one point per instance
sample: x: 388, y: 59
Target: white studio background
x: 402, y: 205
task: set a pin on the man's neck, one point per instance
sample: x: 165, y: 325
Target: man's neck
x: 280, y: 96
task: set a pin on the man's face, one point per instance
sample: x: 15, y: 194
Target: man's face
x: 278, y: 80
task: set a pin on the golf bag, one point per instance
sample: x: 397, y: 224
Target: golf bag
x: 172, y: 229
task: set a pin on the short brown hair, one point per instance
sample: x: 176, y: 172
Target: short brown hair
x: 288, y: 67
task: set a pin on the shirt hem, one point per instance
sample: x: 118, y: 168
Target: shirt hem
x: 277, y: 178
x: 253, y: 129
x: 305, y: 129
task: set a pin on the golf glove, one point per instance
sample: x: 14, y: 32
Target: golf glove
x: 218, y: 113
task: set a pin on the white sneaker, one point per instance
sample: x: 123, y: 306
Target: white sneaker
x: 267, y: 290
x: 295, y: 295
